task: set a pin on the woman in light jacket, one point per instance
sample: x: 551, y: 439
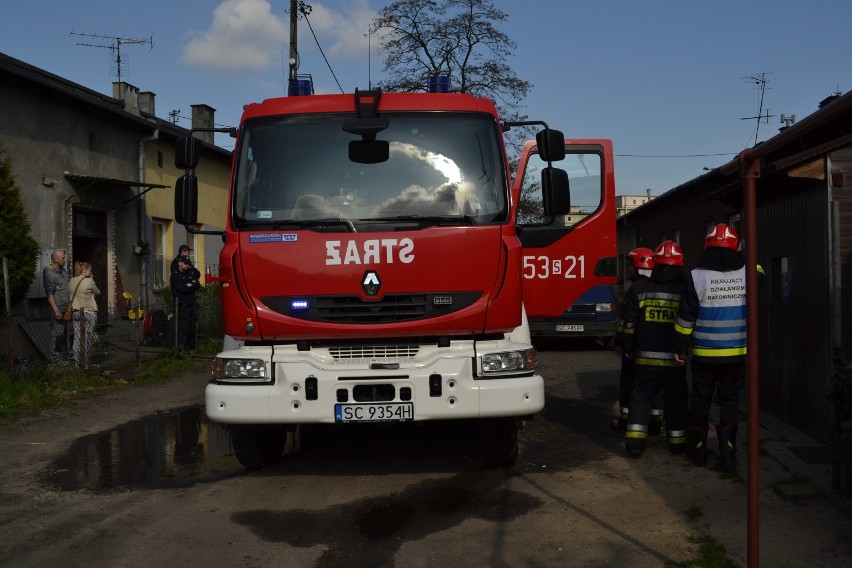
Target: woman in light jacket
x: 83, y: 291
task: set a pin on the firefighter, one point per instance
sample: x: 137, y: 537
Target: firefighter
x: 712, y: 319
x: 640, y: 262
x: 652, y: 307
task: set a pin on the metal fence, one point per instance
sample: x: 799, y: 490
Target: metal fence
x: 119, y: 339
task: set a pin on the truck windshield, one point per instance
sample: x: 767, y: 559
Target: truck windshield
x: 442, y: 166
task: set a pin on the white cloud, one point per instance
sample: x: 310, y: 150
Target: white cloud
x: 244, y: 34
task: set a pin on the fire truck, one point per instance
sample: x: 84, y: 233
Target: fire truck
x: 371, y: 270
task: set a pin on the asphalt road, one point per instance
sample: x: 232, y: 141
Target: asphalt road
x: 137, y: 477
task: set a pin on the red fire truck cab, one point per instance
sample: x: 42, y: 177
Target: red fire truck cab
x: 371, y: 271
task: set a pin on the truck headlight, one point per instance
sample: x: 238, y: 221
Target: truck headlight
x: 249, y: 370
x: 509, y: 361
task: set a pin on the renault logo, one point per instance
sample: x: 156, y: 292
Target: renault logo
x: 371, y: 283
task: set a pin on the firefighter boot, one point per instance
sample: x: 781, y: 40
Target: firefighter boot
x: 696, y: 445
x: 635, y: 439
x: 727, y: 447
x: 620, y: 423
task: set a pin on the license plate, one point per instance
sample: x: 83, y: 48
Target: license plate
x: 562, y: 327
x: 374, y: 412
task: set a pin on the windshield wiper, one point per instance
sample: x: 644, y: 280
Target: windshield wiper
x: 300, y: 223
x: 428, y: 219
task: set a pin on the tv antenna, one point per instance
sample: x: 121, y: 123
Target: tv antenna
x: 761, y: 81
x: 114, y: 46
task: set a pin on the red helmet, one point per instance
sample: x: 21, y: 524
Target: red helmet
x: 669, y: 252
x: 642, y: 257
x: 723, y: 236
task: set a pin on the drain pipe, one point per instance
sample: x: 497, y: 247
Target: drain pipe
x: 143, y: 214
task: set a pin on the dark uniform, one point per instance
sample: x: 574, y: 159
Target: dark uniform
x: 184, y: 284
x: 640, y: 262
x: 652, y: 306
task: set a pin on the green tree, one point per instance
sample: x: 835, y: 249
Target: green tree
x: 16, y: 241
x: 457, y: 38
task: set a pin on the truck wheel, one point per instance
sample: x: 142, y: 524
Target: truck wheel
x: 258, y: 445
x: 503, y: 448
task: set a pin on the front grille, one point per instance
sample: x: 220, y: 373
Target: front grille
x: 391, y: 308
x: 374, y: 351
x: 584, y: 309
x: 351, y: 309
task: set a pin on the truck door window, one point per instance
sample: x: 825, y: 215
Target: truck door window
x: 584, y: 175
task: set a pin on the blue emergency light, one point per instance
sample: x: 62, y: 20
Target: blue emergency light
x: 300, y: 86
x: 299, y: 304
x: 439, y: 84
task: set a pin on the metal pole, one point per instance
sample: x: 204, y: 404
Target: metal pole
x: 750, y: 171
x: 11, y: 355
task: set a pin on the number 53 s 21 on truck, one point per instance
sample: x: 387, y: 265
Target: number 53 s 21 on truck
x: 371, y: 270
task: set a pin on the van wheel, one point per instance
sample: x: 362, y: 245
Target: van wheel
x: 503, y: 447
x: 258, y: 445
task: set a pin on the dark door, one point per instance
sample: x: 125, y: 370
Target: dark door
x: 89, y: 244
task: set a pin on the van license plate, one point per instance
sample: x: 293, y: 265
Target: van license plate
x: 562, y: 327
x: 374, y: 412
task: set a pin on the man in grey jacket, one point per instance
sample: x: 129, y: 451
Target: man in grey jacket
x: 58, y: 297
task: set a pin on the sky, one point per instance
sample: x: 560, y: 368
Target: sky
x: 675, y: 84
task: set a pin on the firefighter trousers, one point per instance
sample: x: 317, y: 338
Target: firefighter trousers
x: 725, y: 380
x: 649, y: 380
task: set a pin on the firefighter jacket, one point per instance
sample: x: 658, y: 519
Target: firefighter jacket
x: 619, y: 328
x: 713, y: 312
x: 650, y: 313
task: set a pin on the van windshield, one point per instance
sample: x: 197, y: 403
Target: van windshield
x: 296, y: 169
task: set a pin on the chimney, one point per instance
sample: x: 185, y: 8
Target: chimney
x: 128, y: 95
x: 829, y: 99
x: 146, y: 104
x: 202, y: 117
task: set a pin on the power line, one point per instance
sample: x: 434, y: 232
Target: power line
x: 305, y: 9
x: 673, y: 155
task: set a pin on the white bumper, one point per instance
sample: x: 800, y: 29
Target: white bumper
x: 439, y: 382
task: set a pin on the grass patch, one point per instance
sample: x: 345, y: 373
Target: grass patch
x: 711, y: 554
x: 41, y: 387
x: 694, y: 513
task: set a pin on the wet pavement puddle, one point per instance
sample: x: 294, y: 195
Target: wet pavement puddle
x: 163, y: 450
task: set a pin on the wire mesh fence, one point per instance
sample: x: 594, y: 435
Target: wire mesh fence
x: 118, y: 339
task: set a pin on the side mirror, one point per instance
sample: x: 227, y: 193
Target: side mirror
x: 187, y: 153
x: 551, y: 145
x: 555, y: 192
x: 606, y: 266
x: 186, y: 200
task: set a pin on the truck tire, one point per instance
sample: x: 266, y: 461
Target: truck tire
x: 258, y: 445
x: 503, y: 443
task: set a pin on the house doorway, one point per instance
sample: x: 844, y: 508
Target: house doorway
x: 89, y: 244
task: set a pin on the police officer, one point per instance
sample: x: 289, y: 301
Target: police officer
x: 640, y: 262
x: 183, y: 253
x: 652, y: 307
x: 713, y: 319
x: 184, y: 284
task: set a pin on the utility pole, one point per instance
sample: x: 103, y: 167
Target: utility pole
x: 294, y: 53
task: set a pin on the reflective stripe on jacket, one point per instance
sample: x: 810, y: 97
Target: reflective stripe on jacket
x: 718, y: 329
